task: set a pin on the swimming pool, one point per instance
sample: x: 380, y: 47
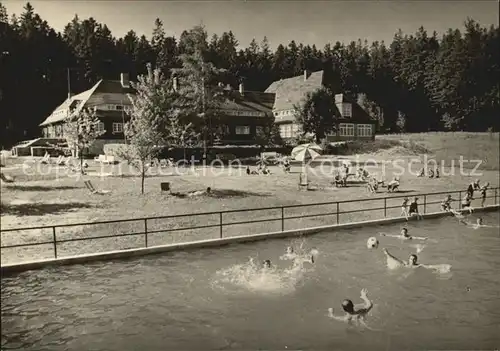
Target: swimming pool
x: 210, y: 299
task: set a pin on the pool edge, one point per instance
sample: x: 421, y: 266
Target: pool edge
x: 130, y: 253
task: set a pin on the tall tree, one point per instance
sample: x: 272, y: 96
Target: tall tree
x: 152, y: 107
x: 317, y: 113
x: 201, y: 94
x: 81, y: 132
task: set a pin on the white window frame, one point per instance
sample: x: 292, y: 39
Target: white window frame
x: 365, y: 130
x: 346, y: 110
x: 286, y: 130
x: 242, y: 130
x: 117, y: 127
x: 100, y: 127
x: 346, y: 129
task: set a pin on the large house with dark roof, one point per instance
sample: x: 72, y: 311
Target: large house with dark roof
x: 353, y: 124
x: 243, y: 114
x: 110, y: 98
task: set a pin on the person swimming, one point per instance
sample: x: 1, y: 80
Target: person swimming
x: 352, y: 312
x: 289, y: 254
x: 394, y: 262
x: 266, y: 264
x: 478, y: 224
x: 404, y: 235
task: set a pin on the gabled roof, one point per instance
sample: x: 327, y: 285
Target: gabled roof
x: 291, y: 91
x: 250, y: 101
x: 103, y: 92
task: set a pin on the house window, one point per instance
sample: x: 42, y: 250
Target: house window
x: 100, y: 127
x: 242, y: 130
x: 295, y: 129
x: 364, y: 130
x: 119, y: 107
x: 346, y: 129
x: 286, y: 130
x: 117, y: 128
x: 346, y: 110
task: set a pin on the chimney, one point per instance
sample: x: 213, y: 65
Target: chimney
x: 125, y: 80
x: 242, y: 89
x: 175, y: 83
x: 306, y: 74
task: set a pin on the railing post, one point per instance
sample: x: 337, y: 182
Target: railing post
x: 337, y: 212
x: 146, y: 232
x: 220, y: 224
x: 385, y: 207
x: 459, y: 200
x: 425, y: 202
x: 55, y: 241
x: 283, y: 218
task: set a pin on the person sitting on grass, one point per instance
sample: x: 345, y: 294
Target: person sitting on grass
x: 414, y: 209
x: 265, y: 170
x: 404, y: 235
x: 431, y: 173
x: 248, y: 170
x: 353, y: 313
x: 437, y: 173
x: 393, y: 185
x: 286, y: 166
x: 421, y: 173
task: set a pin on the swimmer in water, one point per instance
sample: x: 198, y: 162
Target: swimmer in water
x: 266, y: 264
x: 404, y: 235
x: 356, y: 313
x: 289, y: 254
x: 478, y: 224
x: 412, y: 262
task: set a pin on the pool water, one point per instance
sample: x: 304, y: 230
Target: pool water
x: 214, y: 299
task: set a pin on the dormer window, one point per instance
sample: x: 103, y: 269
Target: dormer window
x: 346, y: 110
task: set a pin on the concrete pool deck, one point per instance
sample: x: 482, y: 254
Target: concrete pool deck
x: 130, y: 253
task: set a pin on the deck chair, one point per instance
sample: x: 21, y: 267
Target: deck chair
x: 392, y: 187
x: 303, y: 183
x: 93, y: 190
x: 45, y: 159
x: 62, y: 161
x: 5, y: 178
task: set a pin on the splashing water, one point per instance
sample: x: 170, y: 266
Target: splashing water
x: 253, y: 277
x: 419, y: 247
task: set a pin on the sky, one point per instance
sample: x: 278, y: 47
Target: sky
x: 306, y: 21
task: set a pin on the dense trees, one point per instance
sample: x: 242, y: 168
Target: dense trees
x: 419, y: 82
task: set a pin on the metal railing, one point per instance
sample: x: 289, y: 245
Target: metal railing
x: 221, y: 223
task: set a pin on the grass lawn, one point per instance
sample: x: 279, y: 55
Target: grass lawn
x: 451, y: 145
x: 36, y: 200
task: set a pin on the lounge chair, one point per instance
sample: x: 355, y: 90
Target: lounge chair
x: 45, y: 159
x: 5, y: 178
x: 62, y: 161
x: 93, y: 190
